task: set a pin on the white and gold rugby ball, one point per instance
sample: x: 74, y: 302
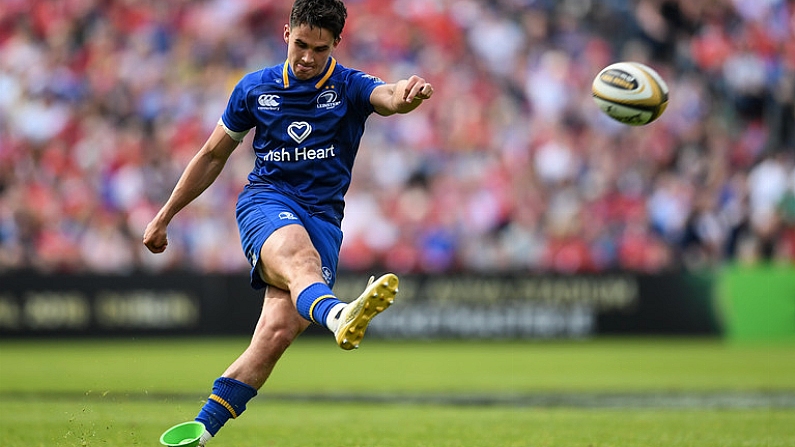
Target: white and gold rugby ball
x: 630, y: 92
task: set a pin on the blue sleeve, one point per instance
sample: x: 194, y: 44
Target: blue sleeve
x: 360, y: 86
x: 237, y: 116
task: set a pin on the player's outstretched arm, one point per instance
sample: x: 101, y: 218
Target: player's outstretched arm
x: 400, y: 97
x: 200, y: 173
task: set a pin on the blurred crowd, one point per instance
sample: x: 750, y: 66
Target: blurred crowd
x: 511, y: 166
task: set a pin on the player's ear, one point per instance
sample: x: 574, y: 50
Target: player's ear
x: 287, y: 33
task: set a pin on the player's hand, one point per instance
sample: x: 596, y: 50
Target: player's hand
x: 155, y: 237
x: 417, y: 88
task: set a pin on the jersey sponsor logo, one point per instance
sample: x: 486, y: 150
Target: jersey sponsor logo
x: 300, y: 154
x: 299, y: 130
x: 269, y: 102
x: 328, y: 100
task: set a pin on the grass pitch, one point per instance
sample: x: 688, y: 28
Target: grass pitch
x: 585, y: 393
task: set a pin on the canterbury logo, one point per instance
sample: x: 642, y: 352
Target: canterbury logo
x: 269, y: 100
x: 298, y: 131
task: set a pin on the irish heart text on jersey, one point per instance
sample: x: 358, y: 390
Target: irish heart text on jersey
x: 300, y: 154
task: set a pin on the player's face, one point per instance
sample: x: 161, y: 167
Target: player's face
x: 308, y: 49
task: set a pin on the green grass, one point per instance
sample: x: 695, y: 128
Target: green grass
x: 126, y: 392
x: 290, y: 424
x: 185, y: 366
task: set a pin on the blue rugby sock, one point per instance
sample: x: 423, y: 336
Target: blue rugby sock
x: 315, y: 302
x: 228, y: 400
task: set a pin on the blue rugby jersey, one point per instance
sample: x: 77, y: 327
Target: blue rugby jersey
x: 307, y: 133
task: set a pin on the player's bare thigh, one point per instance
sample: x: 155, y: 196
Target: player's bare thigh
x: 289, y: 261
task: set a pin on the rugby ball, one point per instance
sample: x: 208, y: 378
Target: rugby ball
x: 631, y: 93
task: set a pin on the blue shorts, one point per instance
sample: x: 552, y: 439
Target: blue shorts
x: 260, y: 213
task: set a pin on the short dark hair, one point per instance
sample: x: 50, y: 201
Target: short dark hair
x: 326, y: 14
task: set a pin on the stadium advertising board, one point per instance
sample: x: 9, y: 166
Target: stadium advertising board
x: 502, y: 306
x: 438, y: 306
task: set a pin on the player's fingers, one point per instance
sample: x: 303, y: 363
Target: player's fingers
x: 155, y: 244
x: 417, y: 88
x: 420, y: 92
x: 412, y: 87
x: 157, y: 249
x: 425, y: 92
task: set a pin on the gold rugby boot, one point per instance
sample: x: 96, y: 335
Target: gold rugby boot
x: 356, y: 316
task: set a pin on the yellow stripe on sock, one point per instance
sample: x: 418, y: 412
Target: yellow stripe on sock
x: 312, y: 307
x: 226, y: 405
